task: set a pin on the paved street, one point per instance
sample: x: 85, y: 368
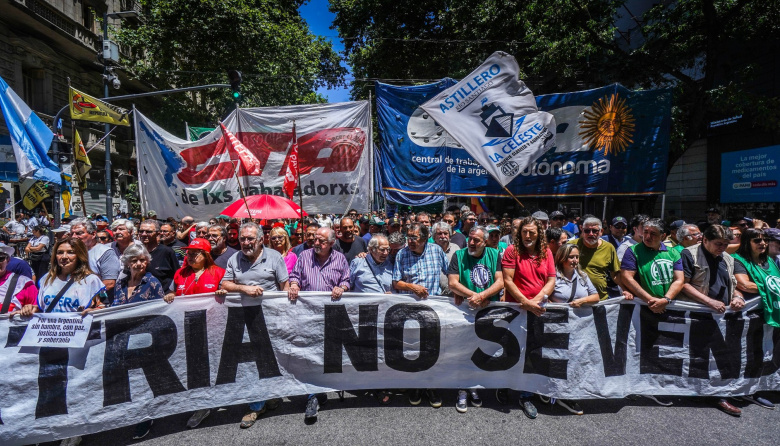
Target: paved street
x: 359, y: 420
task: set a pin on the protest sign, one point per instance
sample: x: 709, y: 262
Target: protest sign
x: 57, y: 330
x: 201, y: 178
x: 494, y: 116
x: 609, y: 141
x: 152, y: 359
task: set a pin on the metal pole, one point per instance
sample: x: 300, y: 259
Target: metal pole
x: 56, y: 198
x: 604, y: 211
x: 109, y: 201
x: 663, y: 206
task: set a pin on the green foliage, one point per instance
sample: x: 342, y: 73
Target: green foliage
x: 133, y: 199
x: 711, y: 52
x: 185, y: 43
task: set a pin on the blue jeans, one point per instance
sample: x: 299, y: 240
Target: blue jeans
x: 257, y: 406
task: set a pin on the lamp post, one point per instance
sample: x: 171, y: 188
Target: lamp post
x: 109, y: 198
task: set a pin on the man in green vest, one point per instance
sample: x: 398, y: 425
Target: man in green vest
x: 475, y: 275
x: 650, y: 271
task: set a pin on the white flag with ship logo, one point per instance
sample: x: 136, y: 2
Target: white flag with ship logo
x: 494, y: 116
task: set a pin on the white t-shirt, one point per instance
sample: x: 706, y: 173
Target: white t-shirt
x: 42, y: 240
x: 79, y: 295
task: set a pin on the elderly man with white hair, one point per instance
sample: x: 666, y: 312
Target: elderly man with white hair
x: 599, y: 260
x: 373, y: 273
x: 124, y: 233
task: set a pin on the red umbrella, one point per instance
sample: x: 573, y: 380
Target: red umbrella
x: 264, y: 206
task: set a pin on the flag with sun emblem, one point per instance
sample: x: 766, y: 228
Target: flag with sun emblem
x: 608, y: 141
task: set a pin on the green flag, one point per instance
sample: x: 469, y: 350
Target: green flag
x: 197, y: 133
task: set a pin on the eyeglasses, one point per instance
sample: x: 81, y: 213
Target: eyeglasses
x: 247, y: 239
x: 558, y: 218
x: 194, y: 252
x: 591, y: 231
x: 277, y: 237
x: 145, y: 231
x: 383, y: 249
x: 758, y: 240
x: 3, y: 258
x: 213, y: 236
x: 103, y: 239
x: 413, y: 238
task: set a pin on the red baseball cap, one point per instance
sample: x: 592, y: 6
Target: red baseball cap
x: 199, y: 243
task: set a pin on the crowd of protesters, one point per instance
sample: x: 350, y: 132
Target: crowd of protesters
x: 88, y: 264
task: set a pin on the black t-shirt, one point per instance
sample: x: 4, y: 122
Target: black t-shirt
x: 163, y: 265
x: 739, y: 268
x: 719, y: 282
x: 222, y: 259
x: 178, y: 249
x: 352, y: 249
x: 459, y: 239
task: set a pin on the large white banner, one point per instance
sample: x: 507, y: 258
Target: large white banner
x: 152, y: 359
x: 180, y: 177
x: 494, y: 116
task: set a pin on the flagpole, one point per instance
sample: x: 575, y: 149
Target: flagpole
x: 235, y: 170
x: 79, y: 180
x: 513, y: 196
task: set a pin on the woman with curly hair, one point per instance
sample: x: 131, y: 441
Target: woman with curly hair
x: 529, y: 279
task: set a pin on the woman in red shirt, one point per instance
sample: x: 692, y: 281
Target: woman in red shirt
x: 529, y: 279
x: 199, y: 274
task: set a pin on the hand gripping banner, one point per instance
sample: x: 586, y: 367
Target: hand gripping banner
x: 150, y: 360
x: 200, y: 178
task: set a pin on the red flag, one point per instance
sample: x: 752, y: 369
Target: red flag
x: 248, y: 160
x: 291, y: 177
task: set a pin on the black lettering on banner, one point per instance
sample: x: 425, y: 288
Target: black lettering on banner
x: 236, y: 351
x: 15, y: 334
x: 52, y: 382
x: 430, y: 337
x: 650, y: 360
x: 755, y: 367
x: 361, y: 347
x: 94, y: 331
x: 485, y: 328
x: 705, y: 337
x: 197, y: 348
x: 537, y: 340
x: 614, y: 361
x: 153, y: 360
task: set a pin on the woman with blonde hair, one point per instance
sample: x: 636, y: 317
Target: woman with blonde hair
x: 280, y: 241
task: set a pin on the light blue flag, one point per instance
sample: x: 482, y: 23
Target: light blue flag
x: 30, y: 138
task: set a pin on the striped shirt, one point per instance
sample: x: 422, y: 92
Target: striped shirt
x: 311, y: 276
x: 424, y: 269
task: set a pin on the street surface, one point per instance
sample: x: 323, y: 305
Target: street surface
x: 360, y: 420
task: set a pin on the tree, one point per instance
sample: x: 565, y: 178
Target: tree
x: 696, y: 47
x: 184, y: 43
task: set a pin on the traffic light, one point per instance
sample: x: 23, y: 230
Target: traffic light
x: 235, y: 84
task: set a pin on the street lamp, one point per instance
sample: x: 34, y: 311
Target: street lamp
x: 106, y: 72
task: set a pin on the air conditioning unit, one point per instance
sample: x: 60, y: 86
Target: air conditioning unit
x: 110, y: 51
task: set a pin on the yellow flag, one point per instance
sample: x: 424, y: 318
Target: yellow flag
x: 33, y: 192
x: 81, y: 160
x: 87, y: 108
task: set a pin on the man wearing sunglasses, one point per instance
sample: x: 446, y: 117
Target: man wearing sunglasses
x: 164, y: 262
x: 103, y: 260
x: 220, y: 251
x: 599, y: 260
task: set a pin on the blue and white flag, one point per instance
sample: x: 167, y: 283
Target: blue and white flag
x: 30, y: 138
x: 494, y: 116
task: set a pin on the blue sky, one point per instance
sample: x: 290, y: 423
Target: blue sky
x: 316, y: 14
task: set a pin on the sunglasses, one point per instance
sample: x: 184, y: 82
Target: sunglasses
x: 3, y: 258
x: 591, y: 231
x: 103, y: 239
x: 758, y: 240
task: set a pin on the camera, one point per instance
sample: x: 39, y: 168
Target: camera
x: 115, y: 83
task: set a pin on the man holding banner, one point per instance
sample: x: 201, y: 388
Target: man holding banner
x: 252, y: 271
x: 320, y: 269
